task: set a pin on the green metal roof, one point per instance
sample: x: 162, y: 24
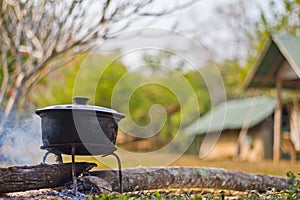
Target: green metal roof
x: 277, y: 51
x: 234, y: 114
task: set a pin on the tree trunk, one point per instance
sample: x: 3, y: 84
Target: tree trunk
x: 136, y: 179
x: 13, y: 179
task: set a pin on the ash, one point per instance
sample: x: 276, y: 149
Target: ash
x: 68, y: 193
x: 61, y: 194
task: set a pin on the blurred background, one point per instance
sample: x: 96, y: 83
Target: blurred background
x: 186, y: 57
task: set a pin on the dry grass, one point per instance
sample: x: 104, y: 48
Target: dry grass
x: 128, y: 160
x: 262, y: 167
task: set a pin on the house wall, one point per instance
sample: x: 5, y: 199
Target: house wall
x: 267, y: 135
x: 252, y: 148
x: 258, y: 143
x: 256, y: 146
x: 226, y: 146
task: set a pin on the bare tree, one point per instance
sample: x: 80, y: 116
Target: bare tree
x: 39, y: 36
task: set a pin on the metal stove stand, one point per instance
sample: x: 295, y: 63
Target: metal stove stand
x: 56, y: 150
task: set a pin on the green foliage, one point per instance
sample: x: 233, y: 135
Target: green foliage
x: 101, y: 77
x: 155, y: 196
x: 282, y: 22
x: 92, y: 76
x: 233, y: 75
x: 106, y: 81
x: 294, y: 191
x: 286, y: 21
x: 199, y: 86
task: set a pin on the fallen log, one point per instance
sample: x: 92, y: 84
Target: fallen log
x: 22, y: 178
x: 137, y: 179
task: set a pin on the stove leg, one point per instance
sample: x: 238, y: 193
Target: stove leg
x: 74, y: 172
x: 45, y: 157
x: 58, y: 157
x: 120, y: 171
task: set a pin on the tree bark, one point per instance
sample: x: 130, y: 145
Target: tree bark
x: 136, y: 179
x: 22, y: 178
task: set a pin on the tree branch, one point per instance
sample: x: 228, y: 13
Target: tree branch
x: 39, y: 76
x: 22, y: 178
x: 5, y: 73
x: 137, y: 179
x: 37, y: 32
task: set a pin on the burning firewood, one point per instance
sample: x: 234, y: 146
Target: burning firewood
x: 22, y: 178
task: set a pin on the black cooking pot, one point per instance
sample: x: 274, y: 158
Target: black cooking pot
x: 92, y: 130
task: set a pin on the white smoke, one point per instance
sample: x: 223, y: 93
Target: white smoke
x: 22, y: 141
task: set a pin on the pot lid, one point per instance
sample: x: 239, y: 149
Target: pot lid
x: 81, y: 104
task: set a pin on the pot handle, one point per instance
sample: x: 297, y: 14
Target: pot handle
x: 80, y: 100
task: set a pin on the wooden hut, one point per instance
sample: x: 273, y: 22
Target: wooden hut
x: 241, y: 128
x: 278, y: 67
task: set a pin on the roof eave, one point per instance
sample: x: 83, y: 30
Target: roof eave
x: 257, y: 63
x: 286, y: 55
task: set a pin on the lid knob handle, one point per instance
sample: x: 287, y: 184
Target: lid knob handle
x: 80, y: 100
